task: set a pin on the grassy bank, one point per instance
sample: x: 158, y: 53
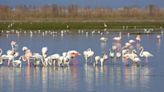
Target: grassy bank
x: 77, y: 25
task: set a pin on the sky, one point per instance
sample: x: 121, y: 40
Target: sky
x: 83, y: 3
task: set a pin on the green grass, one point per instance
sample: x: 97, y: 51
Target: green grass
x: 78, y: 25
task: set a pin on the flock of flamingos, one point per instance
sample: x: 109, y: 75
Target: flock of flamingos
x: 132, y: 51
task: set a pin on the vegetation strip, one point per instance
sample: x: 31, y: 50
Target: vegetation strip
x: 78, y: 25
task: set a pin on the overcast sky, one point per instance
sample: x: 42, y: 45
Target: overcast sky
x: 92, y: 3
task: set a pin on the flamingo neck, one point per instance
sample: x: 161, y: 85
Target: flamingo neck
x: 120, y: 35
x: 141, y: 53
x: 1, y: 52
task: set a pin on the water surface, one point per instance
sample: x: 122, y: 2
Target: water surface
x: 82, y: 78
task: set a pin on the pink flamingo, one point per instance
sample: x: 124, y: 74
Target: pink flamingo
x: 73, y: 54
x: 118, y: 38
x: 158, y: 41
x: 138, y: 38
x: 27, y: 55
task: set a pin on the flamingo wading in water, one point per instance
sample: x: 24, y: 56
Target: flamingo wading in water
x: 145, y: 54
x: 88, y: 54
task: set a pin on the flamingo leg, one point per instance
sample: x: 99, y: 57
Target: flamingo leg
x: 75, y: 62
x: 126, y: 62
x: 102, y: 63
x: 146, y: 59
x: 8, y: 63
x: 28, y: 62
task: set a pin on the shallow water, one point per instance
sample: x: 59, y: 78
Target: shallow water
x: 82, y: 78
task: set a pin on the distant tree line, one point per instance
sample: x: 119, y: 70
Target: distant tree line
x: 21, y: 12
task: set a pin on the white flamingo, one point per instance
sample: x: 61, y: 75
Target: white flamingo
x: 131, y: 41
x: 67, y: 60
x: 1, y: 60
x: 101, y: 59
x: 105, y: 25
x: 17, y: 62
x: 88, y: 54
x: 97, y: 59
x: 64, y: 60
x: 9, y: 57
x: 54, y: 59
x: 104, y: 58
x: 103, y: 39
x: 45, y: 56
x: 111, y: 53
x: 37, y: 59
x: 118, y: 54
x: 145, y: 54
x: 44, y: 52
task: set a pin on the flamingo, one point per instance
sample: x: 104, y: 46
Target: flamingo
x: 127, y: 45
x: 1, y: 51
x: 45, y: 56
x: 67, y: 60
x: 97, y: 59
x: 27, y: 54
x: 138, y: 38
x: 88, y: 54
x: 103, y: 39
x: 158, y: 36
x: 131, y: 47
x: 24, y: 48
x: 105, y: 25
x: 101, y: 59
x: 104, y: 58
x: 44, y: 51
x: 18, y: 62
x: 37, y: 58
x: 64, y: 60
x: 9, y: 56
x: 118, y: 38
x: 54, y: 59
x: 131, y: 41
x: 1, y: 60
x: 158, y: 40
x: 111, y: 53
x: 134, y: 57
x: 115, y: 51
x: 73, y: 54
x: 125, y: 57
x: 145, y: 54
x: 14, y: 46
